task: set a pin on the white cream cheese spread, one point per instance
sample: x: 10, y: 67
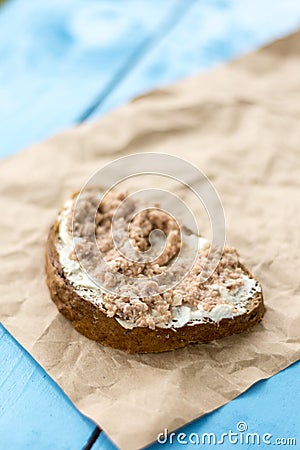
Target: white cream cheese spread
x: 182, y: 314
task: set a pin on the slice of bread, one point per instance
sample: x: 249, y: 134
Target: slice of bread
x: 90, y: 318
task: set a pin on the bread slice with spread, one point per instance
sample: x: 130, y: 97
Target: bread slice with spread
x: 192, y: 311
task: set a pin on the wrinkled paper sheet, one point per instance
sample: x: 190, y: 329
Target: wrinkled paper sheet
x: 240, y: 125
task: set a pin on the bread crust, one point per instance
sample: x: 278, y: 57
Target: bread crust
x: 89, y: 320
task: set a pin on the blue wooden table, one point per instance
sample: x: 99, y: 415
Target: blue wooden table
x: 63, y: 62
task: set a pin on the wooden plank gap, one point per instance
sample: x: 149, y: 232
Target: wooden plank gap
x: 92, y: 439
x: 140, y: 52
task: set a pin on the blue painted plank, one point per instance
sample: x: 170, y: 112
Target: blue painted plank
x: 34, y: 412
x: 268, y: 407
x: 211, y: 32
x: 57, y: 57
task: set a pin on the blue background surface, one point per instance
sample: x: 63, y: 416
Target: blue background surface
x: 66, y: 61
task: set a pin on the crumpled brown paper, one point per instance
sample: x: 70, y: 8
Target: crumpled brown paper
x: 240, y: 125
